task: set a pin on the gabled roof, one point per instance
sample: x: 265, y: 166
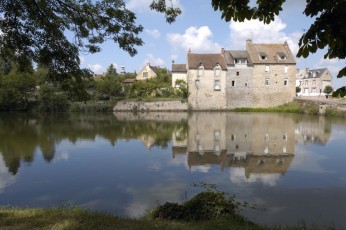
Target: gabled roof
x: 209, y: 61
x: 311, y: 73
x: 231, y: 55
x: 155, y: 69
x: 273, y: 53
x: 179, y: 68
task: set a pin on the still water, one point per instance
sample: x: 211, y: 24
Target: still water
x: 291, y: 166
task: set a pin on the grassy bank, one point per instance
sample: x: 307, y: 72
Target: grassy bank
x: 76, y: 218
x: 292, y: 107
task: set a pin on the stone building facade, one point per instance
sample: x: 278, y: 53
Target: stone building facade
x: 313, y: 81
x: 263, y: 75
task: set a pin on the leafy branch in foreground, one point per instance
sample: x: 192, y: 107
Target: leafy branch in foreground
x: 327, y: 31
x: 36, y: 31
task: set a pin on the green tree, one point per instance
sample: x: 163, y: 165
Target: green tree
x: 111, y: 71
x: 298, y: 89
x: 35, y: 31
x: 327, y: 31
x: 328, y: 90
x: 16, y: 89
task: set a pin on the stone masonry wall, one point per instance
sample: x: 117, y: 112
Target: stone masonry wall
x: 239, y: 92
x: 205, y: 97
x: 276, y: 93
x: 151, y: 106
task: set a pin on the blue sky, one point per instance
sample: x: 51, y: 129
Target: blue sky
x: 202, y: 30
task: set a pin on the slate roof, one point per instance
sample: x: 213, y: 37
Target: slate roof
x: 209, y: 61
x: 154, y: 68
x: 230, y: 55
x: 179, y: 68
x: 311, y: 73
x: 272, y: 53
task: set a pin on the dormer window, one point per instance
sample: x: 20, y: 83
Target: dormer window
x: 217, y: 70
x: 200, y: 70
x: 281, y: 56
x: 240, y: 61
x: 263, y: 56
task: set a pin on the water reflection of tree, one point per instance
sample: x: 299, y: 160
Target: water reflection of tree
x: 23, y: 134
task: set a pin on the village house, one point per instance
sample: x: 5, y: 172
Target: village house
x: 147, y: 72
x: 312, y: 82
x: 178, y: 73
x: 263, y: 75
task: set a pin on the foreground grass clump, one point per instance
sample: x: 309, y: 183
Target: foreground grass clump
x: 206, y: 205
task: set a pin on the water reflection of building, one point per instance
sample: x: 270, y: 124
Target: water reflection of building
x: 315, y: 131
x: 259, y: 143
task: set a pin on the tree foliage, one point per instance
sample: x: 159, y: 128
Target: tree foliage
x: 328, y: 90
x: 328, y: 30
x: 35, y: 31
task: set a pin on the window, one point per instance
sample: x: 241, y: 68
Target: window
x: 286, y: 69
x: 282, y: 56
x: 197, y: 84
x: 232, y: 137
x: 217, y: 71
x: 200, y: 70
x: 313, y: 82
x: 217, y: 135
x: 237, y: 73
x: 313, y: 90
x: 284, y: 137
x: 266, y: 81
x: 145, y: 74
x: 306, y: 82
x: 267, y: 68
x: 246, y: 84
x: 233, y: 83
x: 263, y: 56
x: 240, y: 61
x: 285, y: 81
x: 266, y: 137
x: 300, y: 83
x: 217, y: 85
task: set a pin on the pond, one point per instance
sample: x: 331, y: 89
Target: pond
x: 291, y: 166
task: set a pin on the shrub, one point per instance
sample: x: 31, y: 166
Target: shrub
x: 204, y: 206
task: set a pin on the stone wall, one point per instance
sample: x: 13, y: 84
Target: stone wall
x: 275, y: 93
x: 151, y: 106
x: 203, y: 95
x: 239, y: 92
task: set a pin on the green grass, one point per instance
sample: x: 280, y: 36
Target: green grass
x: 77, y: 218
x: 292, y: 107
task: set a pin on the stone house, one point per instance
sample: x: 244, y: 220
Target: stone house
x: 147, y: 72
x: 178, y: 73
x: 263, y: 75
x: 312, y: 82
x: 206, y: 80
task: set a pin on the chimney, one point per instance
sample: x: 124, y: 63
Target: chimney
x: 222, y: 50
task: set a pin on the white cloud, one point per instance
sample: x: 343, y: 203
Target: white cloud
x: 154, y: 33
x: 6, y: 178
x: 143, y: 5
x: 154, y: 61
x: 196, y: 39
x: 82, y: 60
x: 237, y: 175
x: 138, y: 5
x: 262, y: 33
x: 96, y: 68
